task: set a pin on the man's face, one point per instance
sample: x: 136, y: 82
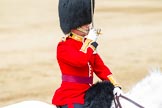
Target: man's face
x: 86, y: 28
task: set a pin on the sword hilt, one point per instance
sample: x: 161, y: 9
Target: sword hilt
x: 98, y: 31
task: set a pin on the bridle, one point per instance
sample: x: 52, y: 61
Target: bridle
x: 118, y: 104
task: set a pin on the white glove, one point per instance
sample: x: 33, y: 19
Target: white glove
x: 92, y: 35
x: 117, y: 91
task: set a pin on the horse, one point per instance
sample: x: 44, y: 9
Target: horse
x: 147, y: 92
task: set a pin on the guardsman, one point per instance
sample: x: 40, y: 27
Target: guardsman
x: 77, y: 56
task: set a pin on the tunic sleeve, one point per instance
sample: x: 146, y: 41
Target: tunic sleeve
x: 99, y: 68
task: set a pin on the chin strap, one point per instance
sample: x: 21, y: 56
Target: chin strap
x: 118, y: 105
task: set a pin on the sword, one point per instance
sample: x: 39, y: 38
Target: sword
x: 92, y: 26
x: 92, y: 18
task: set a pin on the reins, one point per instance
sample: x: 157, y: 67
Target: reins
x: 118, y: 104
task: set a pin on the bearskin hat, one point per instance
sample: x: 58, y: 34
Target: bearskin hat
x: 74, y: 14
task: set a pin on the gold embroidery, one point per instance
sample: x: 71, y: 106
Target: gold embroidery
x: 76, y: 37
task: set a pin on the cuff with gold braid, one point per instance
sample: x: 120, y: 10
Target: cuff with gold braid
x: 88, y: 43
x: 113, y: 81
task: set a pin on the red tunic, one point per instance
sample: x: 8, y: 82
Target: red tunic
x: 74, y: 62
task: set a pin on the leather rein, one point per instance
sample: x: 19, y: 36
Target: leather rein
x: 118, y: 104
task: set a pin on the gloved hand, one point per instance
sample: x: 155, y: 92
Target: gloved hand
x: 92, y: 35
x: 117, y: 91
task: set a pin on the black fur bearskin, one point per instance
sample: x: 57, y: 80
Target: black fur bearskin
x: 100, y: 95
x: 74, y: 14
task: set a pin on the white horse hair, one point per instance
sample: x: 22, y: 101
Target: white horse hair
x: 147, y: 93
x: 31, y: 104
